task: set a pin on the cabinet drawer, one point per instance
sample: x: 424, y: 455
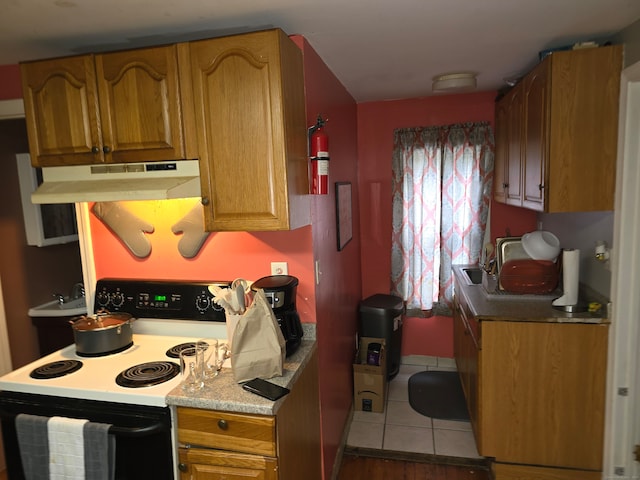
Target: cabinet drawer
x: 214, y: 464
x: 227, y: 431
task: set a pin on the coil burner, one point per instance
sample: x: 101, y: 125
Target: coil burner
x: 174, y: 352
x: 147, y: 374
x: 56, y: 369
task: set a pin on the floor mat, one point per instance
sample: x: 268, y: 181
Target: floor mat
x: 438, y: 395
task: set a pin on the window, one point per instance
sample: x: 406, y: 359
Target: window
x: 441, y: 185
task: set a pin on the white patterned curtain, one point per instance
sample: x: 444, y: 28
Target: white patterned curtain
x: 442, y: 180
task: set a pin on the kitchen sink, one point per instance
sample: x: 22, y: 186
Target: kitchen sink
x: 69, y: 308
x: 473, y: 275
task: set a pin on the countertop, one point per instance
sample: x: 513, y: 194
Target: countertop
x: 225, y: 394
x: 70, y: 308
x: 526, y: 308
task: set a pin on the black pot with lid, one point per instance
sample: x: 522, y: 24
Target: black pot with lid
x: 102, y: 334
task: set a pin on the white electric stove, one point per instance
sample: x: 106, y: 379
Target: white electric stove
x: 168, y: 316
x: 96, y: 377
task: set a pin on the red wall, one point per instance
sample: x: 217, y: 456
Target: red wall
x: 376, y: 123
x: 339, y: 291
x: 332, y: 303
x: 10, y: 87
x: 224, y: 255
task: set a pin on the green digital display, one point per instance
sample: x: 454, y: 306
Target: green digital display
x: 160, y: 298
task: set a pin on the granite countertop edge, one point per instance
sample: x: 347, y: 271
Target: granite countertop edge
x: 523, y: 308
x: 225, y: 394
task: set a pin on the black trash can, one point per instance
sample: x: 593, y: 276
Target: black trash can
x: 381, y: 317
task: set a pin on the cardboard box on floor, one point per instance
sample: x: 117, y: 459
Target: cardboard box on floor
x: 369, y: 381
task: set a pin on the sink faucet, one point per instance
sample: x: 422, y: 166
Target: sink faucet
x: 60, y: 298
x: 77, y: 291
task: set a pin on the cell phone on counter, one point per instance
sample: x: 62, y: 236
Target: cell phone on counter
x: 265, y: 389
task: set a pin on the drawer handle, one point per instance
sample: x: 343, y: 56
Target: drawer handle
x: 182, y: 467
x: 222, y: 424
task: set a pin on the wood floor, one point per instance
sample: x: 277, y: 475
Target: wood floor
x: 357, y: 467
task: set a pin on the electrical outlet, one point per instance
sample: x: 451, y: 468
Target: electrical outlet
x: 279, y: 268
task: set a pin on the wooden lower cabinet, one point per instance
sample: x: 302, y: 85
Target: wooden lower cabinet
x: 217, y: 445
x: 466, y: 355
x: 542, y: 393
x: 502, y: 471
x: 535, y: 391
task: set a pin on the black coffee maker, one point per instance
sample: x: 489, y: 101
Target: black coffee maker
x: 280, y: 291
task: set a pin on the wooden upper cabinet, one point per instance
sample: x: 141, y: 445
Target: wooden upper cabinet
x: 567, y: 123
x: 583, y: 129
x: 249, y: 90
x: 536, y: 108
x: 61, y: 111
x: 111, y: 108
x: 501, y: 163
x: 143, y: 112
x: 514, y: 135
x: 507, y: 171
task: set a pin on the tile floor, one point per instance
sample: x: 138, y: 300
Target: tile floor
x: 402, y: 429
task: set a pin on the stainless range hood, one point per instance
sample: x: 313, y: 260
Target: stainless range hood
x: 115, y: 182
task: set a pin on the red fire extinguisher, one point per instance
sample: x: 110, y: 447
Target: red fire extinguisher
x: 319, y: 153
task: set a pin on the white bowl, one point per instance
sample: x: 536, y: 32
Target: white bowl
x: 541, y: 245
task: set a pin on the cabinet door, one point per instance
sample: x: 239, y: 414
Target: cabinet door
x: 61, y: 110
x: 201, y: 464
x: 514, y: 134
x: 543, y: 393
x: 501, y: 164
x: 141, y: 105
x: 583, y: 129
x: 466, y: 355
x: 536, y: 98
x: 252, y: 138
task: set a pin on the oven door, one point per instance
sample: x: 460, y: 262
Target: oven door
x: 143, y: 433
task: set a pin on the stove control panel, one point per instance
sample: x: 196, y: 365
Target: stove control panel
x: 159, y: 299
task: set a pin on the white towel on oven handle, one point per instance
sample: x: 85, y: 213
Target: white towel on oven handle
x: 66, y: 448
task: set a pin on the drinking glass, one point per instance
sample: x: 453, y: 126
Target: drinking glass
x: 191, y: 369
x: 214, y: 353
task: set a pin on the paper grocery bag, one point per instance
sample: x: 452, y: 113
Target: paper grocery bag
x: 258, y: 346
x: 232, y: 320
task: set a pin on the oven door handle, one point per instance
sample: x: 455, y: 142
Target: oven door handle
x: 137, y: 431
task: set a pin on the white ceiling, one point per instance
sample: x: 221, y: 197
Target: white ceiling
x: 379, y: 49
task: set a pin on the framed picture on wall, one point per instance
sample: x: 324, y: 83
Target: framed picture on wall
x: 344, y: 222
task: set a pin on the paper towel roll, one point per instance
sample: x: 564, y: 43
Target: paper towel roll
x: 570, y: 278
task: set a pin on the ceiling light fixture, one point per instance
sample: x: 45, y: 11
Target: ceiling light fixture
x: 454, y: 81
